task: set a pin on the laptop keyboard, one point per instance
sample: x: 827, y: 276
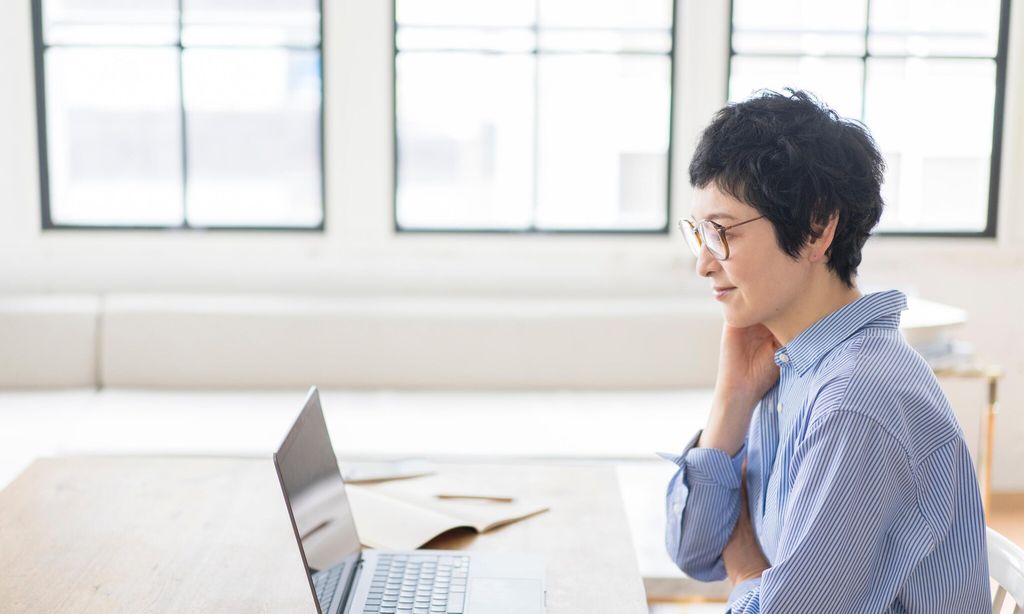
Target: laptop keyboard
x: 418, y: 584
x: 326, y: 584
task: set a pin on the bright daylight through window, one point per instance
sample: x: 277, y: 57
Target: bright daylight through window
x: 926, y: 77
x: 535, y: 115
x: 180, y: 113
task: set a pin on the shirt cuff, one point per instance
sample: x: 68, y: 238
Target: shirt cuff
x: 678, y: 458
x: 714, y: 466
x: 740, y: 591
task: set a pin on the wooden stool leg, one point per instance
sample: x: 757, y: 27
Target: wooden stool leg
x: 990, y: 430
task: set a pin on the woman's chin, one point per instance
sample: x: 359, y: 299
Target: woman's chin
x: 738, y: 318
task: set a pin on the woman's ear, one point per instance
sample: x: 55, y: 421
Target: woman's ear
x: 818, y: 246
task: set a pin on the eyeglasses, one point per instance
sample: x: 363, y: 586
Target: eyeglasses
x: 708, y: 233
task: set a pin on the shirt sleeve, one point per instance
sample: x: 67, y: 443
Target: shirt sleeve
x: 851, y: 479
x: 702, y: 504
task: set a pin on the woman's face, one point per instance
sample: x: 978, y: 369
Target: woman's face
x: 765, y: 281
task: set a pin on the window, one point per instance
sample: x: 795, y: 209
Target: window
x: 926, y: 77
x: 533, y: 115
x: 180, y: 113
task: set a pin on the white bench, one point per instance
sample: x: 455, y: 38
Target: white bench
x: 49, y: 340
x: 266, y: 341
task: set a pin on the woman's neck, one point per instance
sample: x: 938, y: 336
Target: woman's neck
x: 807, y: 308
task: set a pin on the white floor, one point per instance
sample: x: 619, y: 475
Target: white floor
x: 624, y: 429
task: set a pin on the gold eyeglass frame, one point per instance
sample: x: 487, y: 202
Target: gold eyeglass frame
x: 698, y: 230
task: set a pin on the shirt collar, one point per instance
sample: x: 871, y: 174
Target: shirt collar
x: 878, y: 309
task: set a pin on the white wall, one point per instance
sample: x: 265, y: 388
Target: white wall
x: 360, y: 255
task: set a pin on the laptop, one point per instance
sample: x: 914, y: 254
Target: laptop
x: 345, y: 578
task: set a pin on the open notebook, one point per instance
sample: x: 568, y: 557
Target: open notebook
x: 406, y: 521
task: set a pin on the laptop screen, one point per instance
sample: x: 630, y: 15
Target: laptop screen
x: 314, y: 489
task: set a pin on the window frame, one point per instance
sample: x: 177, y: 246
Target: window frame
x: 48, y: 224
x: 533, y: 230
x: 995, y: 157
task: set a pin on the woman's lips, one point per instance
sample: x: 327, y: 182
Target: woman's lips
x: 719, y: 294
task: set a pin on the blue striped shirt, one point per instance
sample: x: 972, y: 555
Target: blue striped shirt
x: 861, y: 489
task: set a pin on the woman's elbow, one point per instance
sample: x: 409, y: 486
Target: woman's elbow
x: 700, y: 568
x: 696, y: 563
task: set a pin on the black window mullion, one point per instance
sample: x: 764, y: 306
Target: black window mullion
x: 995, y: 161
x: 182, y: 115
x: 536, y: 117
x: 867, y: 53
x: 41, y: 132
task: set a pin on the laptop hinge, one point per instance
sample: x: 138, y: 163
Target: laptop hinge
x: 351, y: 581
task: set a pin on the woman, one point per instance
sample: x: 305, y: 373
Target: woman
x: 832, y: 475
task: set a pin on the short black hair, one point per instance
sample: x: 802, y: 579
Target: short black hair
x: 798, y: 163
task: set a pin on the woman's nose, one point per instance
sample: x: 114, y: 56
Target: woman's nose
x: 706, y: 263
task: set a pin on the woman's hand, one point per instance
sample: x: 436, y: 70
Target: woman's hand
x: 746, y: 363
x: 746, y: 371
x: 742, y: 555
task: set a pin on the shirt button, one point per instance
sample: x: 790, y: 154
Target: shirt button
x: 784, y: 357
x: 778, y: 407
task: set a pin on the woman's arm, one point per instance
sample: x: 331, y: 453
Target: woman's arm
x: 746, y: 371
x: 702, y: 502
x: 702, y: 505
x: 852, y: 485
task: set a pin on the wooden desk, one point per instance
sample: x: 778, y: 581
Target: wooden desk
x: 188, y: 534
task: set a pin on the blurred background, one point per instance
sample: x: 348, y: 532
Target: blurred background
x: 460, y: 215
